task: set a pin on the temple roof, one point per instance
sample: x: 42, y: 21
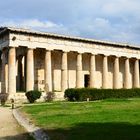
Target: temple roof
x: 33, y: 32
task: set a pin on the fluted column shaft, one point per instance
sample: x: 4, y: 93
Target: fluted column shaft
x: 3, y: 80
x: 48, y: 71
x: 30, y: 70
x: 79, y: 71
x: 105, y: 72
x: 136, y: 74
x: 92, y: 71
x: 116, y: 74
x: 20, y: 74
x: 11, y: 70
x: 127, y: 74
x: 64, y: 80
x: 6, y: 77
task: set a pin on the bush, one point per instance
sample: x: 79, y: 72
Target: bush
x: 3, y: 98
x: 33, y: 95
x: 49, y: 96
x: 82, y: 94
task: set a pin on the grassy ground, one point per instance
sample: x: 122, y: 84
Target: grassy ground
x: 103, y: 120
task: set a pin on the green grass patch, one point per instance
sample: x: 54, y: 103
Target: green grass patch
x: 111, y: 119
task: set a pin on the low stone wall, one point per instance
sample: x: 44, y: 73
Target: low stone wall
x: 59, y: 96
x: 34, y: 131
x: 20, y: 97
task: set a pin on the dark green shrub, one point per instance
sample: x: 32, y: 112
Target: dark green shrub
x: 49, y: 96
x: 82, y: 94
x: 3, y: 98
x: 33, y: 95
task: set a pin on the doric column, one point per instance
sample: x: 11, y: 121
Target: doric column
x: 30, y: 70
x: 136, y: 74
x: 25, y: 70
x: 48, y: 71
x: 116, y: 73
x: 11, y: 70
x: 64, y: 80
x: 127, y: 74
x: 19, y: 74
x: 92, y: 71
x: 3, y: 80
x: 6, y: 76
x: 105, y: 72
x: 79, y: 71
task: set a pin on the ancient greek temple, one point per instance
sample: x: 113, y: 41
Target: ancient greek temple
x: 43, y: 61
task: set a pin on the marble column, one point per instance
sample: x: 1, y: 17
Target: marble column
x: 136, y: 74
x: 3, y: 80
x: 79, y: 71
x: 30, y: 70
x: 6, y: 77
x: 127, y: 74
x: 105, y: 72
x: 48, y: 71
x: 64, y: 80
x: 11, y: 70
x: 25, y: 70
x: 92, y: 71
x: 20, y: 74
x: 116, y: 73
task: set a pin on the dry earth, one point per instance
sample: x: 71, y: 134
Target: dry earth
x: 9, y: 128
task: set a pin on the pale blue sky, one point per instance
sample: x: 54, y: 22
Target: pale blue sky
x: 114, y: 20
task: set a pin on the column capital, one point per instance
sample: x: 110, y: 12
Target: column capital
x: 63, y: 51
x: 106, y: 55
x: 80, y: 52
x: 137, y: 58
x: 117, y: 56
x: 126, y: 57
x: 11, y: 47
x: 30, y: 48
x: 94, y: 53
x: 48, y: 49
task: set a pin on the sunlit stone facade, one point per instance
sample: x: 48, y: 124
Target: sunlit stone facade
x: 43, y: 61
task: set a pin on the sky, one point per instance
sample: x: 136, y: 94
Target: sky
x: 111, y: 20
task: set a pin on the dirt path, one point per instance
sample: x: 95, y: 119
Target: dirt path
x: 9, y: 129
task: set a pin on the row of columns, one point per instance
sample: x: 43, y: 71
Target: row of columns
x: 64, y: 78
x: 12, y: 71
x: 115, y: 73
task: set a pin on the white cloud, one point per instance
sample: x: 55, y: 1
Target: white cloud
x: 36, y: 24
x: 32, y: 23
x: 116, y: 20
